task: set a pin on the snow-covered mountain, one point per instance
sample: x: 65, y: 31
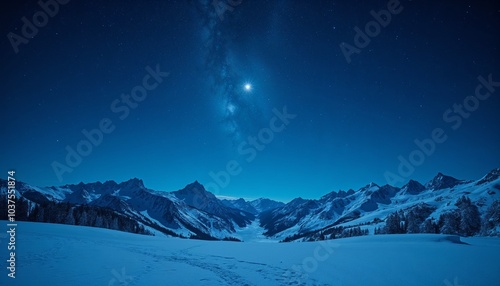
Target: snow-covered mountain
x: 193, y: 211
x: 195, y: 195
x: 441, y: 181
x: 255, y: 206
x: 370, y: 205
x: 412, y: 188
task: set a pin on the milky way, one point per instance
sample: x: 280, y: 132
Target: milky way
x: 240, y: 115
x: 355, y: 121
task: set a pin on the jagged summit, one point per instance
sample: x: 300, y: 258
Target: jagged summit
x: 132, y: 183
x: 195, y: 190
x: 109, y: 183
x: 339, y: 194
x: 490, y: 177
x: 255, y: 206
x: 332, y: 195
x: 441, y: 181
x: 195, y: 195
x: 370, y: 187
x: 412, y: 187
x: 193, y: 210
x: 297, y: 201
x: 97, y: 184
x: 195, y: 184
x: 264, y: 204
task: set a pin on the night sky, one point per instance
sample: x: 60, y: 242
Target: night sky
x: 260, y: 96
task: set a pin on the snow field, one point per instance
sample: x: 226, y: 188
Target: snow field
x: 51, y: 254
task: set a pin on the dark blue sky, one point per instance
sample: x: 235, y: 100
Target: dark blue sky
x: 348, y: 122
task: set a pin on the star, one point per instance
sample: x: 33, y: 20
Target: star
x: 248, y: 87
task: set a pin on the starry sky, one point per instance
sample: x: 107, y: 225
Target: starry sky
x: 251, y: 98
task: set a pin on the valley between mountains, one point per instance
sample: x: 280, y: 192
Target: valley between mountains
x: 193, y: 212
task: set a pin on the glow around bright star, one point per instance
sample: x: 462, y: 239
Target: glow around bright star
x: 248, y: 87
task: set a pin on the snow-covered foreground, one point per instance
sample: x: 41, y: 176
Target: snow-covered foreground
x: 50, y: 254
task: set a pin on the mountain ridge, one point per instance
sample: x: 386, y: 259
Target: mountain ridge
x: 193, y: 211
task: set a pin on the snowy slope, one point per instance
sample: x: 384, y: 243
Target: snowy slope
x: 175, y: 212
x: 194, y: 211
x: 374, y: 202
x: 51, y: 254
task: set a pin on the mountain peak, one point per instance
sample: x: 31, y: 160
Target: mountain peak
x: 490, y: 177
x: 370, y: 187
x: 441, y: 181
x: 194, y: 193
x: 90, y: 186
x: 133, y: 183
x: 330, y: 195
x: 413, y: 187
x: 264, y: 204
x: 195, y: 185
x: 297, y: 201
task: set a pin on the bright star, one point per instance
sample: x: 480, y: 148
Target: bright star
x: 248, y: 87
